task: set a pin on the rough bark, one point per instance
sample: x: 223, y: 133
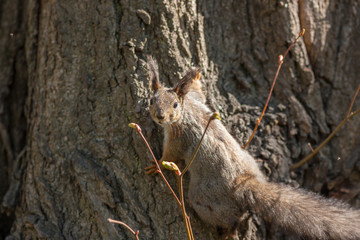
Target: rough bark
x: 73, y: 77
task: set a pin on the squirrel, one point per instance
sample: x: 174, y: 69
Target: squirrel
x: 225, y: 181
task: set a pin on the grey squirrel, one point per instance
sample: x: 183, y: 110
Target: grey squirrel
x: 225, y: 180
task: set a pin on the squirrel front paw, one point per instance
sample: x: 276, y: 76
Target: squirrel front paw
x: 152, y: 169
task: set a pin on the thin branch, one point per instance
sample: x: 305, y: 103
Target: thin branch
x: 136, y: 234
x: 214, y: 116
x: 293, y: 43
x: 353, y: 100
x: 348, y: 116
x: 191, y: 232
x: 281, y: 61
x: 138, y: 130
x: 181, y: 204
x: 181, y: 189
x: 325, y: 141
x: 311, y: 148
x: 186, y: 219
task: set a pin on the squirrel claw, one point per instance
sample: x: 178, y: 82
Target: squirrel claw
x: 152, y: 169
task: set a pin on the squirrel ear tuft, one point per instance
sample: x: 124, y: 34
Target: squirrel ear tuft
x: 154, y: 73
x: 189, y: 82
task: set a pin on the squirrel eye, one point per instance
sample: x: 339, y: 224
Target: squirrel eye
x: 151, y: 101
x: 175, y: 105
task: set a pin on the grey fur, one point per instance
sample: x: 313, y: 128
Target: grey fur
x: 225, y: 180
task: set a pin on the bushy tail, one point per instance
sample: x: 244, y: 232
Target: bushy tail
x: 302, y: 212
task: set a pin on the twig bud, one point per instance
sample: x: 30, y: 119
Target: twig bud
x: 281, y: 58
x: 171, y: 166
x: 135, y: 126
x: 302, y: 32
x: 215, y: 115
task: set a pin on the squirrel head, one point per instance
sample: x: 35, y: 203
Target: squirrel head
x: 166, y: 104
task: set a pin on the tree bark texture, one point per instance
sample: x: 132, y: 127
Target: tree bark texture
x: 74, y: 75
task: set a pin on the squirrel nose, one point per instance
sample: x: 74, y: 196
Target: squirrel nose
x: 160, y: 116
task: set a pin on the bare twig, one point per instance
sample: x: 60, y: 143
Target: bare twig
x: 138, y: 130
x: 348, y: 116
x: 311, y: 148
x: 281, y: 61
x: 214, y: 116
x: 185, y: 216
x: 353, y: 100
x: 136, y: 234
x: 181, y: 204
x: 325, y: 141
x: 181, y: 189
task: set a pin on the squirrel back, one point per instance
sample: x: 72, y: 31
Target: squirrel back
x: 225, y: 180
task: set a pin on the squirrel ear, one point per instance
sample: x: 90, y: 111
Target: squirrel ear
x: 154, y: 74
x: 189, y: 82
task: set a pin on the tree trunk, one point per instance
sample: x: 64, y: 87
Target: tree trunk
x: 74, y: 75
